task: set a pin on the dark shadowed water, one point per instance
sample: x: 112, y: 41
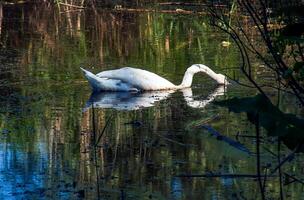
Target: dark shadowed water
x: 56, y: 144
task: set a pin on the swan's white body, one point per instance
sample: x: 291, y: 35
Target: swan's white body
x: 133, y: 79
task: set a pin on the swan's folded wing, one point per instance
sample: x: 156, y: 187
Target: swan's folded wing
x: 140, y: 79
x: 107, y: 84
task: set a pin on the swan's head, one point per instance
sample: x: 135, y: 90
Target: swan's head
x: 221, y: 79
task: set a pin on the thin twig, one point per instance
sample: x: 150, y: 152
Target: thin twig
x: 287, y: 158
x: 211, y: 175
x: 257, y: 128
x: 294, y: 179
x: 103, y: 130
x: 280, y: 172
x: 173, y: 141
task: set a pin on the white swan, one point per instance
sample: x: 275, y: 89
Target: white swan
x: 133, y: 79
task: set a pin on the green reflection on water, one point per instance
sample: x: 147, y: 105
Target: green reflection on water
x: 47, y: 140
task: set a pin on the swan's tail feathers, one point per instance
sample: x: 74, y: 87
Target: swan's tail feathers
x: 83, y: 70
x: 94, y: 80
x: 86, y: 72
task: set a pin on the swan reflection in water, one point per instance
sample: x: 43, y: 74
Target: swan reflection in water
x: 139, y: 100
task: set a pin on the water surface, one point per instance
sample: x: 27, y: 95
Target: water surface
x: 50, y: 146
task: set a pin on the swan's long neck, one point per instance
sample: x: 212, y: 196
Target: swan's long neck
x: 212, y: 74
x: 188, y: 77
x: 187, y: 80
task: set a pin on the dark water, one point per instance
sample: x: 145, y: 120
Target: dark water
x: 50, y: 143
